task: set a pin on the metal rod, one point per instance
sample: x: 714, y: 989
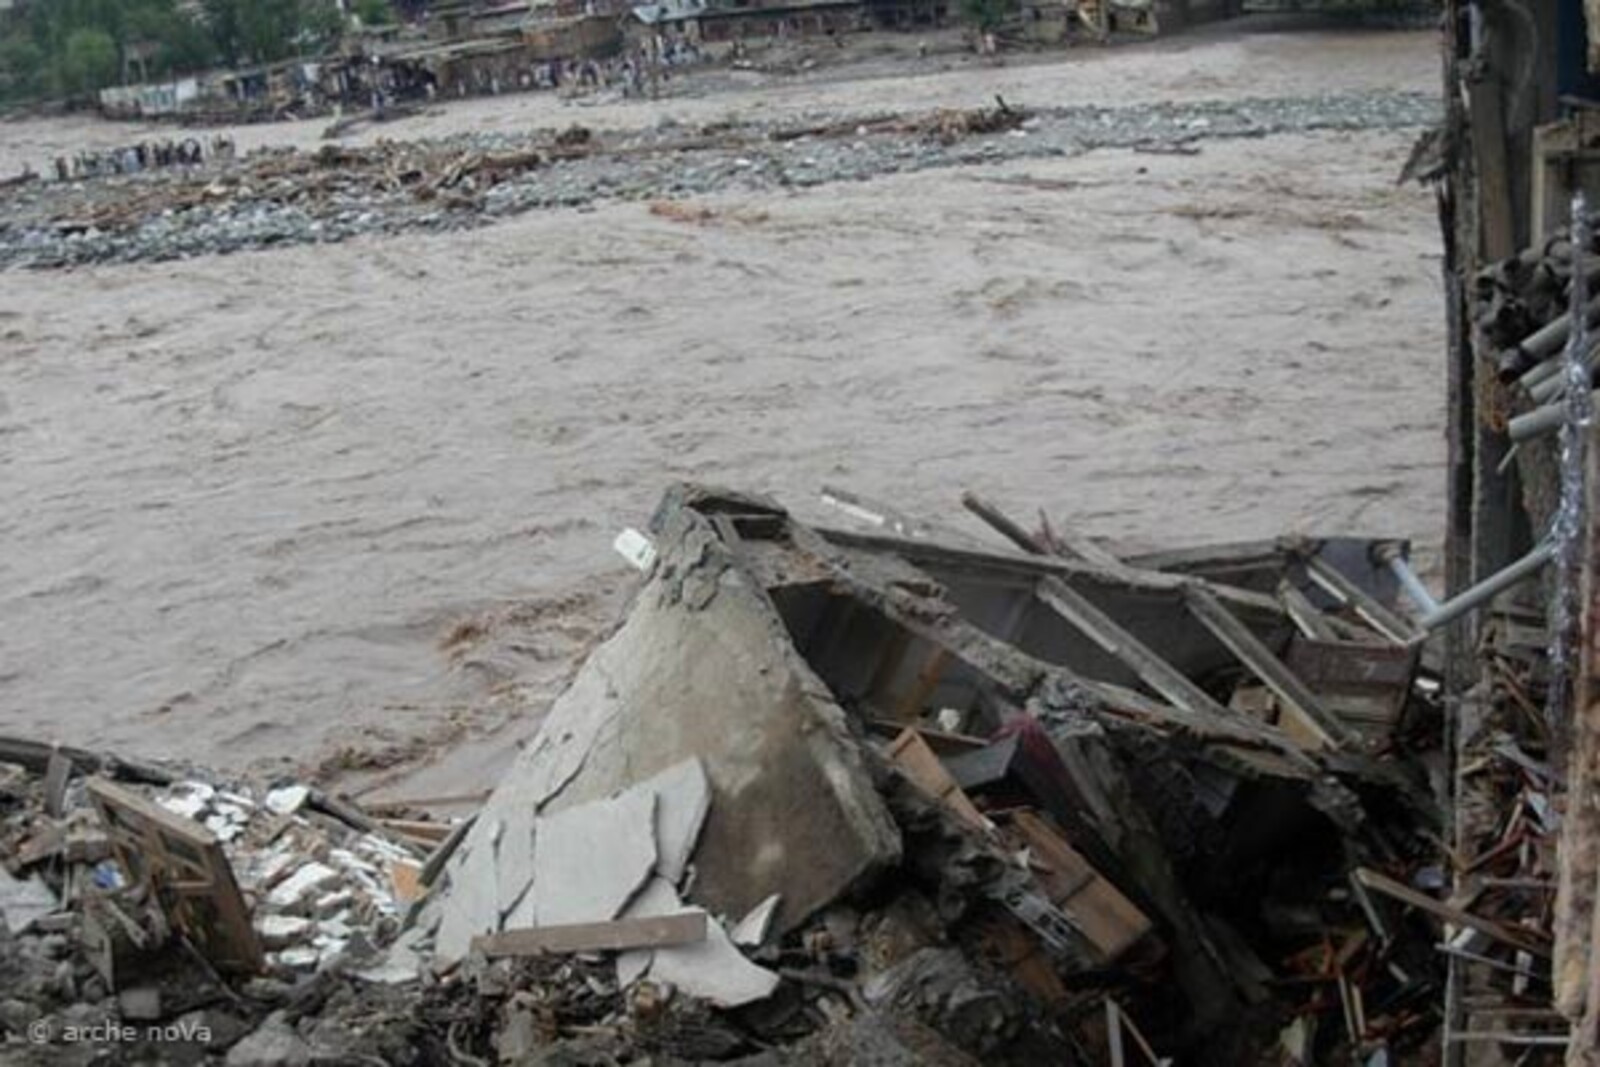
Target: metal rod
x: 1540, y: 421
x: 1489, y: 588
x: 1389, y: 553
x: 1504, y: 1038
x: 1554, y: 385
x: 1548, y: 340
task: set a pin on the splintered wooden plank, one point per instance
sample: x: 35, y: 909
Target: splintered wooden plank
x: 1109, y: 921
x: 181, y: 864
x: 1295, y: 696
x: 1103, y: 630
x: 1379, y: 617
x: 1304, y: 614
x: 921, y: 765
x: 658, y: 931
x: 1080, y: 548
x: 1366, y: 685
x: 1510, y: 935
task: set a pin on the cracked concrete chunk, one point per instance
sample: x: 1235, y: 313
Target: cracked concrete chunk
x: 713, y: 969
x: 793, y: 809
x: 752, y: 930
x: 309, y: 879
x: 590, y: 860
x: 683, y: 798
x: 23, y: 901
x: 514, y: 859
x: 472, y: 906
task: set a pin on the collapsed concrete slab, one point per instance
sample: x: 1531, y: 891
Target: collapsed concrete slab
x: 703, y: 667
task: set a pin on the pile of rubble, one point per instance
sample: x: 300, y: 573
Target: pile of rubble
x: 149, y: 908
x: 826, y: 796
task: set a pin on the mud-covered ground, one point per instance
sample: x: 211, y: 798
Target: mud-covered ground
x: 351, y: 505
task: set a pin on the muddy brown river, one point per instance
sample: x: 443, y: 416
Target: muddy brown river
x: 351, y: 507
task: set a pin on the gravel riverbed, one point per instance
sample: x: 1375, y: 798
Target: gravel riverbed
x: 47, y: 224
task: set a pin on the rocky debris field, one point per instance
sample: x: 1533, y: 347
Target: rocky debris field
x: 277, y: 197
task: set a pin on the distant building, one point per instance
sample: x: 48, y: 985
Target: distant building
x: 735, y: 20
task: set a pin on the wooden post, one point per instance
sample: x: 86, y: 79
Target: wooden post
x: 1577, y: 990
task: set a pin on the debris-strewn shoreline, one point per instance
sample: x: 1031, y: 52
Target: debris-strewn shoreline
x: 889, y: 794
x: 293, y: 197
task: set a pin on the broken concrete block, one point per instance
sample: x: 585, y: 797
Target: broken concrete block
x: 187, y: 799
x: 300, y: 885
x: 271, y: 868
x: 590, y: 860
x: 24, y: 901
x: 287, y: 800
x: 470, y: 900
x: 280, y: 931
x: 330, y: 904
x: 141, y: 1004
x: 713, y: 969
x: 683, y: 799
x: 223, y: 828
x: 704, y: 667
x: 752, y: 930
x: 298, y: 958
x: 401, y: 963
x: 514, y: 856
x: 273, y: 1044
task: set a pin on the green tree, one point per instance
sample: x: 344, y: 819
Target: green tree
x: 22, y: 68
x: 264, y: 31
x: 88, y: 61
x: 986, y: 15
x: 374, y: 12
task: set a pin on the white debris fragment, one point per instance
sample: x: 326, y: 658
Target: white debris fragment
x: 754, y: 927
x: 343, y: 857
x: 331, y: 904
x: 263, y: 870
x: 382, y: 848
x: 287, y: 800
x: 636, y: 548
x: 299, y: 958
x: 336, y: 927
x: 281, y: 931
x: 301, y: 884
x: 328, y: 947
x: 24, y: 901
x: 188, y: 799
x: 222, y: 827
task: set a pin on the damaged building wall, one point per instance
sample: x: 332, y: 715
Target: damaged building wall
x: 1517, y: 143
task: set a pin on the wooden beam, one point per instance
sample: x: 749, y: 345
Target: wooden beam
x: 1451, y: 914
x: 1381, y: 618
x: 1138, y: 657
x: 1077, y: 548
x: 1304, y: 614
x: 1003, y: 524
x: 917, y: 760
x: 659, y: 931
x: 1264, y: 664
x: 1497, y: 227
